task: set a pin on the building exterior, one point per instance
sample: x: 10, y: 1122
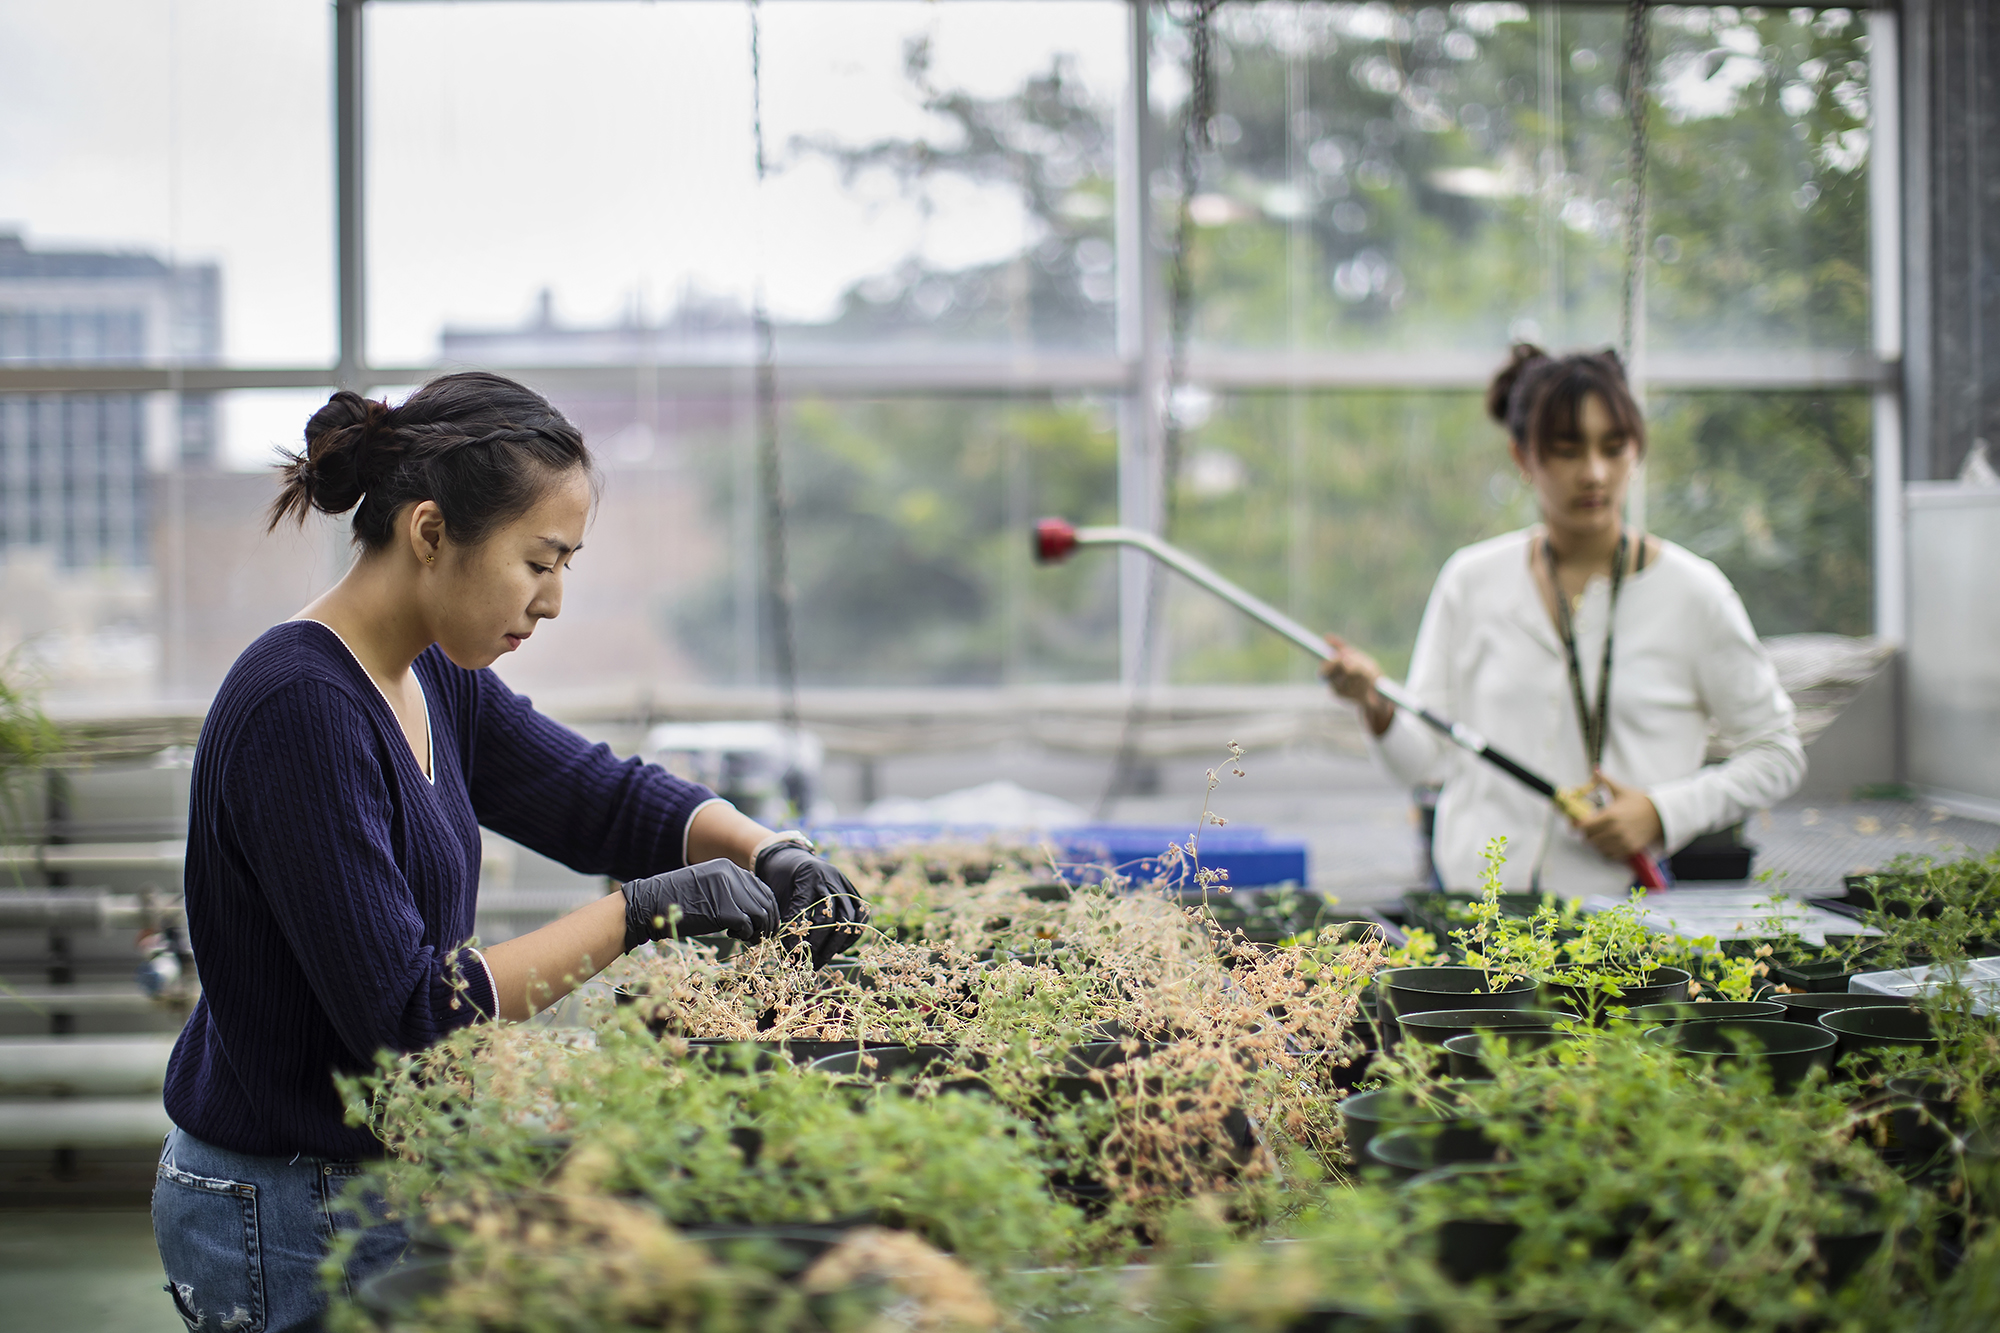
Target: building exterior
x: 73, y: 467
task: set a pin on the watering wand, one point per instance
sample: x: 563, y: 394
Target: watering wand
x: 1055, y: 538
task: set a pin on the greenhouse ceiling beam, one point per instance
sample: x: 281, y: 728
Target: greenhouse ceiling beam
x: 1236, y: 372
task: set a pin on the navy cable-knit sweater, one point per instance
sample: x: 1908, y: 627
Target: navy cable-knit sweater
x: 330, y: 885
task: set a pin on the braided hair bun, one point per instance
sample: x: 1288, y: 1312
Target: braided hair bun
x: 483, y: 448
x: 342, y: 439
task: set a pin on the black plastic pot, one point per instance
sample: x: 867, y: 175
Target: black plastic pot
x: 427, y: 1240
x: 1928, y: 1122
x: 1412, y: 1150
x: 1438, y: 1026
x: 1366, y: 1114
x: 1072, y: 1081
x: 784, y: 1251
x: 1422, y: 990
x: 1248, y: 913
x: 1789, y: 1051
x: 1402, y: 1153
x: 1841, y: 1254
x: 1829, y: 977
x: 864, y: 976
x: 880, y: 1064
x: 1694, y: 1011
x: 799, y: 1050
x: 1662, y: 985
x: 1980, y: 1157
x: 654, y: 1015
x: 1331, y: 1070
x: 394, y: 1293
x: 1924, y: 1120
x: 1808, y: 1007
x: 1472, y: 1248
x: 1035, y: 953
x: 1878, y: 1029
x: 1090, y: 1195
x: 1469, y: 1248
x: 1440, y: 913
x: 1334, y: 1314
x: 1844, y: 1255
x: 1463, y: 1053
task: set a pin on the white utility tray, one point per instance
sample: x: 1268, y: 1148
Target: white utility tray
x: 1981, y: 976
x: 1735, y: 914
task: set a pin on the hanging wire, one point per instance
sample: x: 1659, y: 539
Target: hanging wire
x: 1632, y: 313
x: 1548, y: 61
x: 1195, y: 139
x: 777, y: 574
x: 1638, y: 68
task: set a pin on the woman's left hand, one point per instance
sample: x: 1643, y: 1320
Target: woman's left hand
x: 811, y: 891
x: 1626, y: 824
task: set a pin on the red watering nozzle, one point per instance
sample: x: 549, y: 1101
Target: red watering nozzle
x: 1055, y: 538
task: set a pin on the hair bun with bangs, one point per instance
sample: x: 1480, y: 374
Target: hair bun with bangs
x: 1537, y: 397
x: 1500, y: 393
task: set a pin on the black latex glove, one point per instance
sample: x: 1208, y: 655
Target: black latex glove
x: 808, y: 886
x: 712, y: 898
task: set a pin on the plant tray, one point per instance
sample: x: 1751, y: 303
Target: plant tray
x: 1736, y: 914
x: 1250, y: 856
x: 1982, y: 978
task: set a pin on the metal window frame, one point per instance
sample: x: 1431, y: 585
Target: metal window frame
x: 1134, y: 373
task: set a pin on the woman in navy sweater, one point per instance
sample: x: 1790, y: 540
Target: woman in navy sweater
x: 343, y: 773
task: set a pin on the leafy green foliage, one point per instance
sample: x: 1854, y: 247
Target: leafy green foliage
x: 488, y: 1114
x: 1633, y: 1188
x: 27, y: 740
x: 1637, y: 1192
x: 1459, y: 179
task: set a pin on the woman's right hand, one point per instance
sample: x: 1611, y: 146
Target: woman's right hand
x: 712, y: 898
x: 1352, y: 674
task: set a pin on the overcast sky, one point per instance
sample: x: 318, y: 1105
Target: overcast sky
x: 600, y: 149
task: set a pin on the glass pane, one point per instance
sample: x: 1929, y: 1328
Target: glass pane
x: 1759, y: 180
x: 132, y: 225
x: 907, y: 542
x: 938, y: 173
x: 136, y: 563
x: 1457, y: 177
x: 131, y: 578
x: 1342, y: 507
x: 1339, y: 508
x: 1775, y: 489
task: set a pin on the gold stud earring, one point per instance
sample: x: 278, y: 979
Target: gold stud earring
x: 431, y: 559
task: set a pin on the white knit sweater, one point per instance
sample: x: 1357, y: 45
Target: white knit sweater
x: 1488, y: 655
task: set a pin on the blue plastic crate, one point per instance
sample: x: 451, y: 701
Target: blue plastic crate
x: 1247, y: 855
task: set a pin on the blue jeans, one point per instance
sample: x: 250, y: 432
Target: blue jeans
x: 242, y: 1237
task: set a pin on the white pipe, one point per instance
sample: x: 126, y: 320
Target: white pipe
x: 1885, y: 265
x: 81, y: 911
x: 138, y: 856
x: 77, y: 1000
x: 1258, y: 609
x: 83, y: 1066
x: 75, y: 1122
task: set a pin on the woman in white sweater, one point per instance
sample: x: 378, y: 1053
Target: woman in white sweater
x: 1587, y: 651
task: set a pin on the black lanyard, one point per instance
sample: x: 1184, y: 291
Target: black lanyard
x: 1594, y: 725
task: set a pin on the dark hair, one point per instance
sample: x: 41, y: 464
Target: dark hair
x: 1537, y: 396
x: 482, y: 447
